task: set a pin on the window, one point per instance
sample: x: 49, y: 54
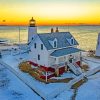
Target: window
x: 72, y: 41
x: 34, y: 45
x: 38, y: 57
x: 41, y: 46
x: 55, y: 44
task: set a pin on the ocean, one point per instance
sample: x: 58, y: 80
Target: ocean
x: 85, y: 35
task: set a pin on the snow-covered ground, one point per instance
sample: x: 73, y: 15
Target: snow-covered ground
x: 91, y: 89
x: 88, y: 91
x: 92, y: 62
x: 12, y: 88
x: 66, y: 95
x: 45, y: 90
x: 65, y: 75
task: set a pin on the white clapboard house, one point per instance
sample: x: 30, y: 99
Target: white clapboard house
x: 54, y: 52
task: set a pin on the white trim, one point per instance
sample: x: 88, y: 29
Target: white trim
x: 62, y: 48
x: 42, y: 42
x: 64, y: 55
x: 71, y: 41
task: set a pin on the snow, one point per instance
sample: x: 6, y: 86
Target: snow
x: 11, y: 88
x: 45, y: 90
x: 93, y: 65
x: 65, y: 75
x: 88, y: 91
x: 68, y: 75
x: 66, y: 95
x: 91, y: 89
x: 96, y: 76
x: 92, y: 62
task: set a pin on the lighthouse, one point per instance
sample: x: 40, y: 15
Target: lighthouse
x: 32, y: 29
x: 98, y: 46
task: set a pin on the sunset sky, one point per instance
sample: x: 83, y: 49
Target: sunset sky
x: 50, y: 12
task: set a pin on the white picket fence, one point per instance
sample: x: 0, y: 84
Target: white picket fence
x: 93, y: 71
x: 87, y: 74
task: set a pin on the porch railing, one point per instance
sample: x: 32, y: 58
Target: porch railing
x: 58, y: 65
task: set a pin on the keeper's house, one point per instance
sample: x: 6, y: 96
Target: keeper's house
x: 54, y: 52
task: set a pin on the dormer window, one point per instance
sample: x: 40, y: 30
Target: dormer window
x: 72, y: 41
x: 55, y: 44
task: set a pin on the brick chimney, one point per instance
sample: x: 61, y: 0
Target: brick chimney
x: 52, y: 31
x: 57, y: 30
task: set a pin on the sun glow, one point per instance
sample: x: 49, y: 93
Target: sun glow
x: 50, y: 13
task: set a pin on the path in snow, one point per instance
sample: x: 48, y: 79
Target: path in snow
x: 91, y: 89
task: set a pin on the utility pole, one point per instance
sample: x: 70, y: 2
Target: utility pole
x: 68, y: 27
x: 19, y: 44
x: 46, y: 77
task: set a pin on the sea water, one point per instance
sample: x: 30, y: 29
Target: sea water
x: 85, y: 35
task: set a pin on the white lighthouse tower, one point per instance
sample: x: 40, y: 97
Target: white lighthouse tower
x: 32, y: 29
x: 98, y: 46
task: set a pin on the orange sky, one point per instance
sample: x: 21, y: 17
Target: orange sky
x: 50, y: 12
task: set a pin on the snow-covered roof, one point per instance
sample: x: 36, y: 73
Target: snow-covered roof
x: 61, y: 39
x: 64, y: 51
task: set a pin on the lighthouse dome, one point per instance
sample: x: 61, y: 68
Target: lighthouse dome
x: 32, y: 22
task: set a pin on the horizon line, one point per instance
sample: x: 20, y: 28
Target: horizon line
x: 53, y: 25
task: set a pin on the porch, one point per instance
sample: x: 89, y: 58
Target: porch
x: 61, y: 59
x: 63, y: 56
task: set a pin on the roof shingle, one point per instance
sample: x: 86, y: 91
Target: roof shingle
x: 61, y: 39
